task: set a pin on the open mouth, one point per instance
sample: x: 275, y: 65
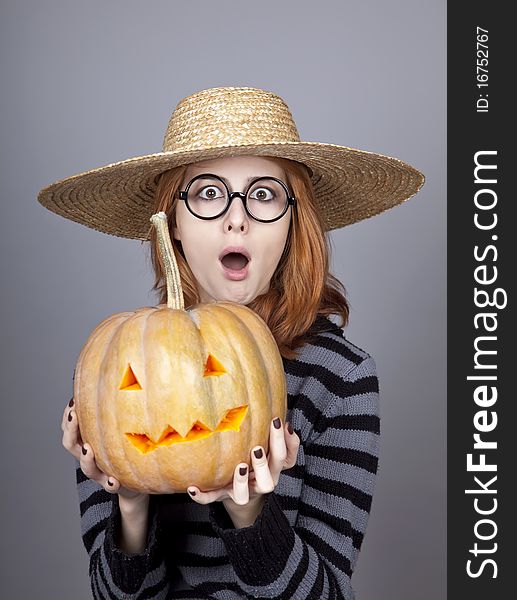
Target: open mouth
x: 234, y: 261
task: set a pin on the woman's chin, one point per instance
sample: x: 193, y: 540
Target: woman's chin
x: 238, y: 292
x: 238, y: 296
x: 237, y: 299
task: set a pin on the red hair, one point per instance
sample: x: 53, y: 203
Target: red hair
x: 301, y: 279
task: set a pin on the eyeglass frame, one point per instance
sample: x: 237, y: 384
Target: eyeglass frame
x: 291, y: 200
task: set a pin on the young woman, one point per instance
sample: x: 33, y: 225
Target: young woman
x: 248, y: 205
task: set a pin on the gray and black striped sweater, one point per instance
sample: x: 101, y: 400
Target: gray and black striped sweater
x: 306, y: 541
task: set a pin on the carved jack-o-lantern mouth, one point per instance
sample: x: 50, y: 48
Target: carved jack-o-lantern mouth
x: 230, y: 422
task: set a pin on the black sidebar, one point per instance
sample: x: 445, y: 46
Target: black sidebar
x: 482, y: 354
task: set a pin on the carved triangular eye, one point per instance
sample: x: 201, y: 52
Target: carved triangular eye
x: 213, y: 367
x: 129, y: 381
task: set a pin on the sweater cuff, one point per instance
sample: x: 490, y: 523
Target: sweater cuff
x: 129, y: 570
x: 258, y: 553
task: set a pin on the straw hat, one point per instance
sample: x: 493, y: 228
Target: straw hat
x: 349, y: 184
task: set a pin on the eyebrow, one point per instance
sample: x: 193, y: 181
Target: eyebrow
x: 228, y: 183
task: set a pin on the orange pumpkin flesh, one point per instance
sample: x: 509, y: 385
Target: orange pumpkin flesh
x: 231, y: 421
x: 169, y: 397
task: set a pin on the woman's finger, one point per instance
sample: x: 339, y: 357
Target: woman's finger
x: 263, y: 480
x: 74, y: 444
x: 206, y: 497
x: 71, y: 436
x: 277, y: 448
x: 238, y: 490
x: 113, y: 485
x: 241, y: 492
x: 66, y: 412
x: 292, y: 442
x: 91, y: 470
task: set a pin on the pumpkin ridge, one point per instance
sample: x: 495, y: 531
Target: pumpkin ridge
x: 245, y: 325
x: 268, y: 347
x: 157, y: 470
x: 140, y: 320
x: 135, y: 319
x: 104, y: 326
x: 103, y: 454
x: 270, y: 350
x: 213, y: 310
x: 191, y: 312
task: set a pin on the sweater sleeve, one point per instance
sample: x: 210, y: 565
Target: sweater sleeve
x: 316, y: 557
x: 113, y: 573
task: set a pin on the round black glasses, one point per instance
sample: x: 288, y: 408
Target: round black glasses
x: 266, y: 199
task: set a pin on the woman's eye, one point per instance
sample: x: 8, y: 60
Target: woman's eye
x: 210, y: 193
x: 262, y: 194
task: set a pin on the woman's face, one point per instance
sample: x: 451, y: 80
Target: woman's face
x: 204, y: 241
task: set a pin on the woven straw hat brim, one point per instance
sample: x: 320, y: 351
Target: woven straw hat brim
x: 349, y: 184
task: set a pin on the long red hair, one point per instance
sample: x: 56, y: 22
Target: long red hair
x: 301, y: 287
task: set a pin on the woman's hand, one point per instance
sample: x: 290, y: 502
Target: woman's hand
x: 244, y: 497
x: 134, y: 506
x: 72, y: 441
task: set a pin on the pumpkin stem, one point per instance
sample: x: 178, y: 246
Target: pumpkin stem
x: 172, y: 274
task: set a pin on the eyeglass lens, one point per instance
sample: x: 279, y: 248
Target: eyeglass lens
x: 208, y: 197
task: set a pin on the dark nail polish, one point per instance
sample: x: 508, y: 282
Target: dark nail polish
x: 192, y: 492
x: 110, y: 482
x: 258, y: 453
x: 290, y: 429
x: 70, y: 416
x: 243, y: 471
x: 71, y: 403
x: 84, y: 450
x: 277, y: 423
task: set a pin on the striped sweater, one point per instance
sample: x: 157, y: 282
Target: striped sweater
x: 305, y: 542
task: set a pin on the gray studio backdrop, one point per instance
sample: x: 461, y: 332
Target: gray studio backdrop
x: 89, y: 83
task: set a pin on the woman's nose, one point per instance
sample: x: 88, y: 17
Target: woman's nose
x: 236, y: 217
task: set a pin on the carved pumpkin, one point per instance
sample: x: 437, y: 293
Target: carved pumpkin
x: 169, y: 397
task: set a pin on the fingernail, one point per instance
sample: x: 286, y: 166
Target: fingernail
x: 71, y: 403
x: 192, y: 492
x: 290, y: 429
x: 70, y: 416
x: 277, y: 423
x: 84, y: 450
x: 243, y: 471
x: 110, y: 482
x: 258, y: 453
